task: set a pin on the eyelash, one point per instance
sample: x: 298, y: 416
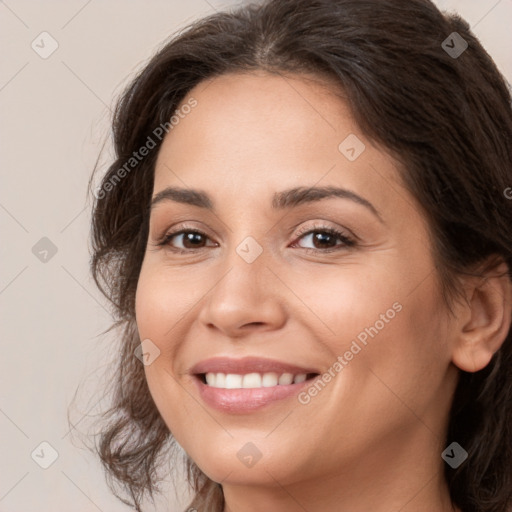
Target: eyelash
x: 346, y: 240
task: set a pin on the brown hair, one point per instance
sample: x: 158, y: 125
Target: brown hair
x: 447, y: 119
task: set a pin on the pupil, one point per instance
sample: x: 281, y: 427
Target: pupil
x: 193, y: 238
x: 323, y: 238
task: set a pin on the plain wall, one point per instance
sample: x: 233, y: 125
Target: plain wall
x: 54, y: 117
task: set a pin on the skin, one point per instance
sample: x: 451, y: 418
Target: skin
x: 372, y: 438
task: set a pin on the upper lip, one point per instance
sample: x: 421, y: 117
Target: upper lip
x: 247, y: 365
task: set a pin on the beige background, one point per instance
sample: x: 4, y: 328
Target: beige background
x: 54, y: 116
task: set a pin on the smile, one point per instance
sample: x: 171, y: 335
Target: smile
x: 252, y: 380
x: 239, y: 386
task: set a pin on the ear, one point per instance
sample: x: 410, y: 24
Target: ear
x: 483, y: 322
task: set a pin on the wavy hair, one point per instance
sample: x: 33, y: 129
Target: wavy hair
x: 446, y: 119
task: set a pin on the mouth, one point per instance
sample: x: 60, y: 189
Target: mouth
x: 246, y: 385
x: 252, y: 380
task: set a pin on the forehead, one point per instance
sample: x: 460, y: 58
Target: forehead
x: 264, y: 132
x: 251, y: 114
x: 269, y: 91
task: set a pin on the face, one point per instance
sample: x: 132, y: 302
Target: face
x: 291, y: 300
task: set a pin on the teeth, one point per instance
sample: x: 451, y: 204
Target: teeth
x: 269, y: 379
x: 252, y: 380
x: 220, y: 380
x: 301, y: 377
x: 233, y: 381
x: 286, y: 378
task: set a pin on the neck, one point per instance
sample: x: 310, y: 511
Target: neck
x: 424, y: 498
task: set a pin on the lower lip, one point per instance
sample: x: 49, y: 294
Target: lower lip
x: 240, y: 401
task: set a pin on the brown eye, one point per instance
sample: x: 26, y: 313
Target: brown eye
x: 322, y: 240
x: 192, y: 239
x: 325, y: 240
x: 185, y: 240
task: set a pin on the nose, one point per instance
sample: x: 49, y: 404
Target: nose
x: 248, y: 297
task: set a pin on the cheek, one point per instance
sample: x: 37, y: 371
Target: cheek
x: 346, y: 303
x: 150, y: 301
x: 394, y: 358
x: 155, y: 319
x: 385, y: 321
x: 407, y: 354
x: 161, y: 304
x: 161, y: 301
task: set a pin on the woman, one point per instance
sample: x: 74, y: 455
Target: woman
x: 307, y: 241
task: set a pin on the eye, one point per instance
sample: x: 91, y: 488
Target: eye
x: 187, y: 240
x: 324, y: 239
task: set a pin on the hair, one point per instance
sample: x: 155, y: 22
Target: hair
x: 447, y: 121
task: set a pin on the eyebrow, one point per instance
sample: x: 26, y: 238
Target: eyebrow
x: 282, y: 200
